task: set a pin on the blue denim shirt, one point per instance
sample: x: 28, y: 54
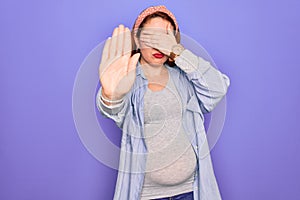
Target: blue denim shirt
x: 201, y: 87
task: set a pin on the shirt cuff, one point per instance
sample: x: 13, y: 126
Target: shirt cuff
x: 110, y: 109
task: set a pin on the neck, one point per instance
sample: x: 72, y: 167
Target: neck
x: 152, y: 70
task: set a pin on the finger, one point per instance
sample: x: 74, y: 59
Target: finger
x: 105, y: 52
x: 105, y: 56
x: 149, y: 40
x: 150, y: 45
x: 169, y: 30
x: 151, y: 31
x: 145, y: 39
x: 113, y: 44
x: 157, y: 39
x: 154, y: 36
x: 127, y: 42
x: 120, y: 40
x: 132, y: 62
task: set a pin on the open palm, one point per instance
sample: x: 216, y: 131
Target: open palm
x: 117, y: 67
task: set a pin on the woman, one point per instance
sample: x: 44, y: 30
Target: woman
x: 157, y: 91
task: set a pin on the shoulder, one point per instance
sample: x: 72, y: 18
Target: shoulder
x: 177, y: 72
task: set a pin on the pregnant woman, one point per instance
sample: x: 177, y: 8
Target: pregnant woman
x: 156, y: 91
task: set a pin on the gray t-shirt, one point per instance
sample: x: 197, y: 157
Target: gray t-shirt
x: 171, y: 160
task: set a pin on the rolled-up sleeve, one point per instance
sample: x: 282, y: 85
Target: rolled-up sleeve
x: 210, y: 84
x: 115, y: 112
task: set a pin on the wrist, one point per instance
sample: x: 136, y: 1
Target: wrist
x: 177, y: 49
x: 108, y: 100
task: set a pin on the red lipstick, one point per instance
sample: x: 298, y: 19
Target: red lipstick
x: 158, y: 55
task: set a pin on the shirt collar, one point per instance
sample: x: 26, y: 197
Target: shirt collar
x: 139, y: 70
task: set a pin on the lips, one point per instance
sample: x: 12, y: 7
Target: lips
x: 158, y: 55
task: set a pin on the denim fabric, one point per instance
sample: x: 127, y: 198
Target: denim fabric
x: 184, y: 196
x: 200, y: 91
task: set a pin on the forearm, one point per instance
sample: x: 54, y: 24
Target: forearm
x: 209, y: 83
x: 109, y: 101
x: 115, y: 112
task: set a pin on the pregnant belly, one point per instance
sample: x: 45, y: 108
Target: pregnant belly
x: 174, y: 170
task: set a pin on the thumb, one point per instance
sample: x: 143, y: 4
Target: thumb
x: 170, y: 32
x: 132, y: 62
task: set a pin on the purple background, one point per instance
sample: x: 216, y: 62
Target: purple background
x: 43, y: 43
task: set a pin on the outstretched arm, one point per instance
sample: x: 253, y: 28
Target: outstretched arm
x: 116, y: 111
x: 117, y: 72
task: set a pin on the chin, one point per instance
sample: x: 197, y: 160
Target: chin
x: 155, y: 62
